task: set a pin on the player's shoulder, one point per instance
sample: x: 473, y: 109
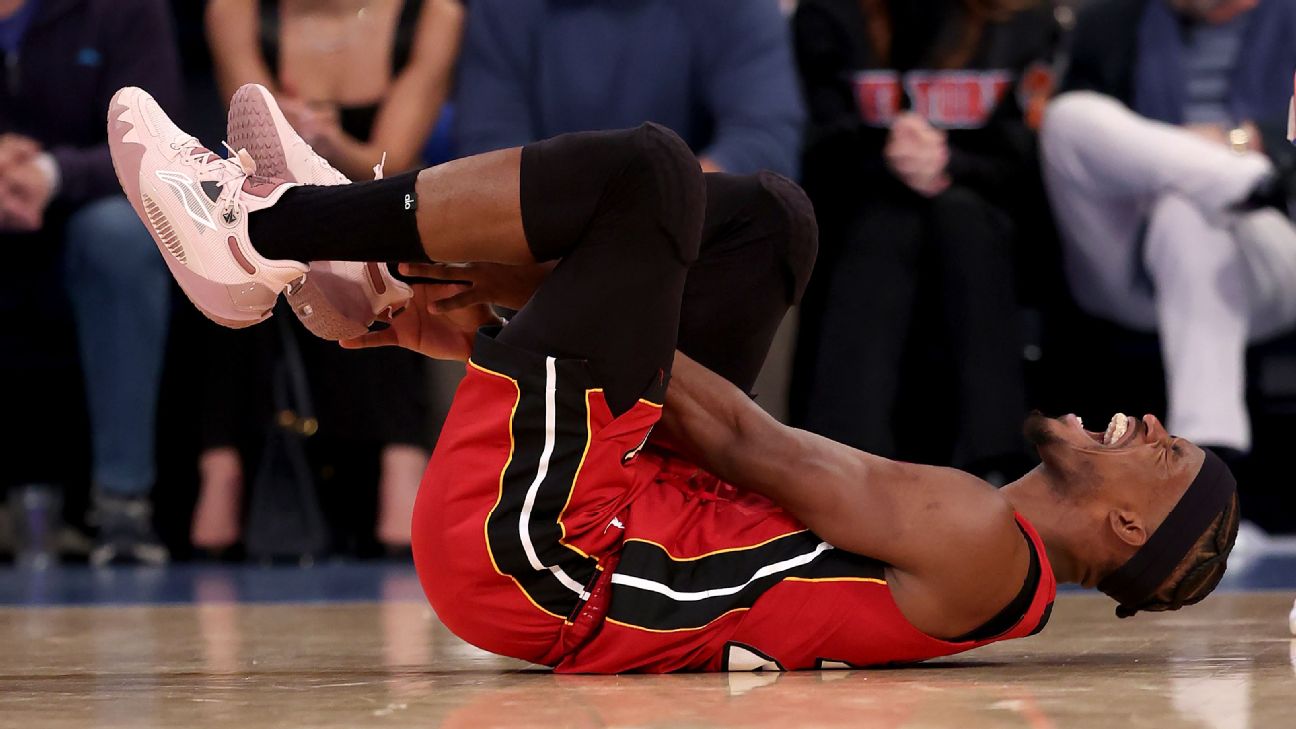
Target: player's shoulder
x: 979, y: 562
x: 980, y: 531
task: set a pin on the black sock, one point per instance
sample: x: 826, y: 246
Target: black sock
x: 363, y: 221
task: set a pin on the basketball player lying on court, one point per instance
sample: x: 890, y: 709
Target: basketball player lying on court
x: 605, y: 496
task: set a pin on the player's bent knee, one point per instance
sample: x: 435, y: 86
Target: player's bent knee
x: 799, y: 230
x: 665, y: 171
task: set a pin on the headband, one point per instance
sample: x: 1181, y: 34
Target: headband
x: 1138, y: 579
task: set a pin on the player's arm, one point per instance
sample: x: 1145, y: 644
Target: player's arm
x: 943, y: 531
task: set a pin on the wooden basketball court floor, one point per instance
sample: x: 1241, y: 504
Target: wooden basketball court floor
x: 133, y: 651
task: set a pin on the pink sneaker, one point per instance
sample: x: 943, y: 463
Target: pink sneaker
x: 196, y: 204
x: 339, y: 299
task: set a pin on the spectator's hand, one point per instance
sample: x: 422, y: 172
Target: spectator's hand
x: 16, y: 150
x: 19, y: 183
x: 327, y: 137
x: 483, y: 283
x: 422, y: 328
x: 917, y: 154
x: 297, y: 112
x: 1255, y: 142
x: 317, y: 123
x: 1218, y: 134
x: 25, y: 191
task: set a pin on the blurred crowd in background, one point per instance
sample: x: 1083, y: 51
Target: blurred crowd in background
x: 1073, y: 206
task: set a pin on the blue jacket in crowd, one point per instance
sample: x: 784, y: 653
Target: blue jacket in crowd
x: 718, y: 72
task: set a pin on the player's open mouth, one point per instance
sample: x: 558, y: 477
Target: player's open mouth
x: 1121, y: 429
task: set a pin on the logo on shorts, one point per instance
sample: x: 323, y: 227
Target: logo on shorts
x: 409, y: 201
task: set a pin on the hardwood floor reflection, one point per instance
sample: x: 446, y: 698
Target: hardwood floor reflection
x: 1227, y: 664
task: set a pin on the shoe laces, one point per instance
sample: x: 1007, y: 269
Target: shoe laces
x: 242, y: 158
x: 238, y: 167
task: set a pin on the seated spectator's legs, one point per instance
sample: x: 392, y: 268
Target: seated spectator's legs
x: 1141, y: 208
x: 120, y: 292
x: 973, y: 245
x: 870, y: 299
x: 1202, y: 313
x: 1101, y: 238
x: 1104, y: 150
x: 1266, y: 240
x: 1104, y: 168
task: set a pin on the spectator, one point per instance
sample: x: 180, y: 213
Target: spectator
x: 920, y: 162
x: 63, y: 62
x: 717, y: 72
x: 358, y: 80
x: 1175, y: 111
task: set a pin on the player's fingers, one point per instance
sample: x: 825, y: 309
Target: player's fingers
x: 449, y: 297
x: 460, y: 300
x: 437, y: 271
x: 384, y: 338
x: 440, y: 291
x: 419, y: 270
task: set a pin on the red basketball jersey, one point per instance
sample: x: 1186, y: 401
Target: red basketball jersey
x: 546, y: 531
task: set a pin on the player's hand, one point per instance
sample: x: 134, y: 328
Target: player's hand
x: 510, y: 286
x: 422, y: 328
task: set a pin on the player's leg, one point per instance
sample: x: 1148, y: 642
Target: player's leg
x: 235, y: 240
x: 622, y: 210
x: 758, y: 246
x: 759, y: 242
x: 520, y: 500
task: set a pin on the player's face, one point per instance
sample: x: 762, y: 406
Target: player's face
x: 1133, y: 456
